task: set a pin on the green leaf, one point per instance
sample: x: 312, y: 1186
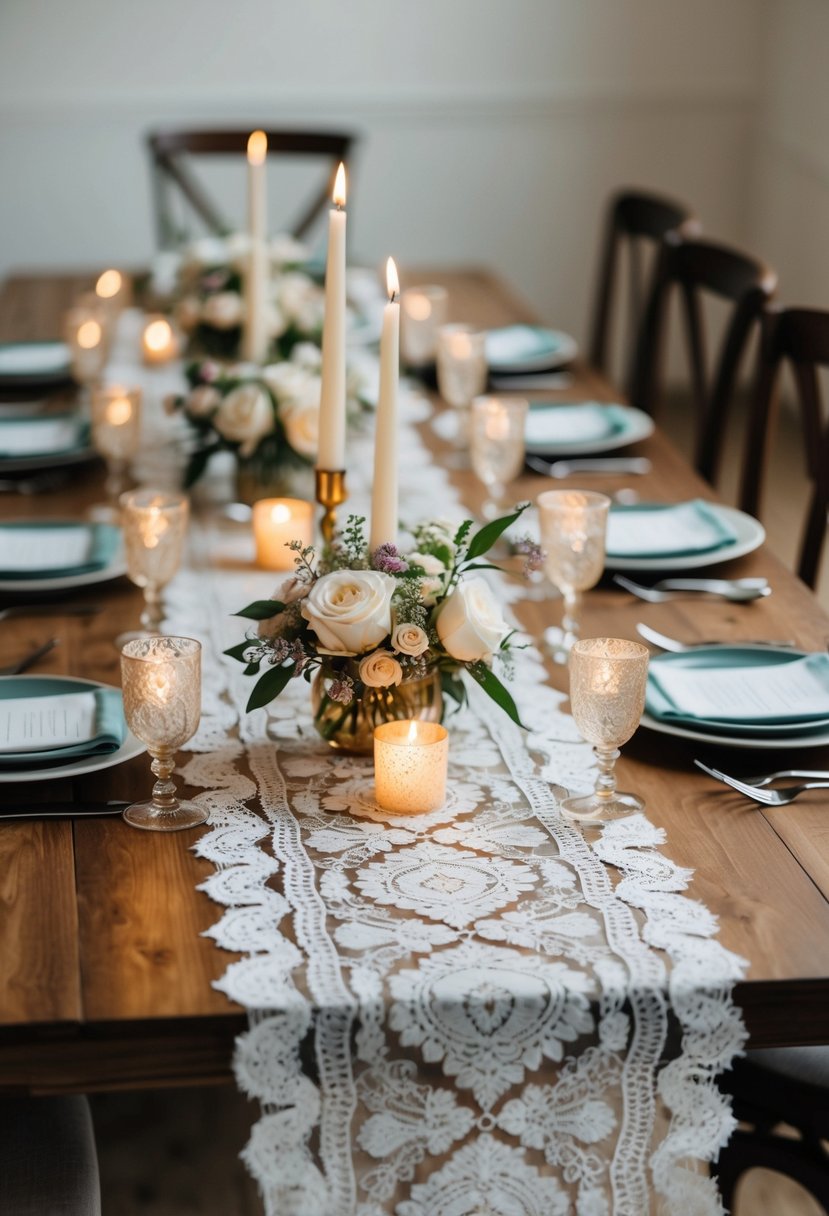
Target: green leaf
x: 252, y: 669
x: 480, y: 566
x: 197, y: 464
x: 483, y: 540
x: 238, y: 651
x: 270, y: 686
x: 493, y: 687
x: 261, y: 610
x: 452, y: 686
x: 462, y: 533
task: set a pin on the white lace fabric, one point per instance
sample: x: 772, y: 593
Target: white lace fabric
x: 460, y: 1013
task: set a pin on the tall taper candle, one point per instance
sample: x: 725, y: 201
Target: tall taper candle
x: 255, y: 332
x: 331, y: 453
x: 384, y: 495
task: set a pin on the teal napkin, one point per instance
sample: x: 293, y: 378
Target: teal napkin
x: 777, y: 691
x: 654, y: 530
x: 103, y: 542
x: 110, y: 728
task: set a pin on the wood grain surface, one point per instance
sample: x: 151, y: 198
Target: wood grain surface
x: 105, y: 980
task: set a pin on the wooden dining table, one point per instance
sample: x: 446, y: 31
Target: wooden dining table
x: 106, y: 979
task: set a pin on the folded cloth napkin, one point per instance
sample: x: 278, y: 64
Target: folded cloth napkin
x: 771, y: 692
x: 656, y: 530
x: 573, y: 423
x: 56, y: 728
x: 49, y: 436
x: 33, y: 358
x: 519, y: 342
x: 53, y: 550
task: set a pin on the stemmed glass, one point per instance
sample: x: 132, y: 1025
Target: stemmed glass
x: 497, y: 445
x: 573, y: 528
x: 161, y: 679
x: 461, y: 371
x: 85, y: 331
x: 155, y: 527
x: 116, y: 427
x: 422, y: 312
x: 607, y: 695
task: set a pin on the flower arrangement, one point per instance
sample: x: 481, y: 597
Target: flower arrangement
x: 210, y: 305
x: 267, y: 415
x: 371, y: 621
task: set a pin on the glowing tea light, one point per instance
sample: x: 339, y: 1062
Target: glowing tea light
x: 277, y: 522
x: 410, y: 764
x: 109, y: 285
x: 158, y: 341
x: 423, y: 312
x: 119, y: 411
x: 89, y: 335
x: 116, y: 421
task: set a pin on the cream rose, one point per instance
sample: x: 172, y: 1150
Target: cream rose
x: 188, y: 312
x: 469, y: 623
x: 245, y: 417
x: 410, y: 639
x: 350, y: 610
x: 285, y: 379
x: 224, y: 310
x: 300, y: 415
x: 380, y: 669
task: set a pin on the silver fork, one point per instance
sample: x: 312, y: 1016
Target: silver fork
x: 804, y: 774
x: 766, y: 797
x: 738, y: 590
x: 28, y: 660
x: 673, y: 644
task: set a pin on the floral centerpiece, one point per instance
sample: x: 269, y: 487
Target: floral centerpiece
x: 382, y: 634
x: 210, y: 304
x: 269, y: 416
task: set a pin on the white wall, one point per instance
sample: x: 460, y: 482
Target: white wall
x: 493, y: 129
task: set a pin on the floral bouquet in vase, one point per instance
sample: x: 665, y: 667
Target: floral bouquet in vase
x: 382, y: 635
x: 268, y: 417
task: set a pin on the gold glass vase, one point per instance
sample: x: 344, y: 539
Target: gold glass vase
x: 351, y: 727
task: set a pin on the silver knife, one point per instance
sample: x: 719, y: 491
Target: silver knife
x: 623, y: 465
x: 63, y: 810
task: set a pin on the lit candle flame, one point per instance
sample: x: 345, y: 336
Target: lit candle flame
x: 119, y: 411
x: 392, y: 281
x: 89, y: 335
x: 411, y: 737
x: 157, y: 336
x: 109, y: 284
x: 339, y: 187
x: 280, y: 513
x: 257, y: 148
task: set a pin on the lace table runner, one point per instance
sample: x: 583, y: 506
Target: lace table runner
x: 460, y: 1013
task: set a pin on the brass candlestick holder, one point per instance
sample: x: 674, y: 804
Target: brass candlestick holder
x: 331, y: 492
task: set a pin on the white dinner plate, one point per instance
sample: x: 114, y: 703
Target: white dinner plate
x: 635, y: 425
x: 767, y: 743
x: 34, y: 361
x: 67, y: 582
x: 130, y: 748
x: 528, y: 348
x: 749, y: 535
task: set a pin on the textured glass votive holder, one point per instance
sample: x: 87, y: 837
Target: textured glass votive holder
x: 423, y: 311
x: 277, y: 522
x: 410, y: 765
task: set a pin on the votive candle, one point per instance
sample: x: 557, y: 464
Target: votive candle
x: 158, y: 341
x: 410, y: 765
x: 276, y: 522
x: 423, y: 311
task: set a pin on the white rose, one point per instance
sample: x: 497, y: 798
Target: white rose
x: 207, y: 251
x: 285, y: 379
x: 410, y: 639
x: 289, y: 591
x: 430, y: 589
x: 380, y: 669
x: 275, y: 320
x: 427, y: 562
x: 350, y: 610
x: 302, y: 301
x: 238, y: 246
x: 224, y: 310
x: 307, y: 355
x: 470, y: 624
x: 285, y: 251
x: 203, y: 401
x: 300, y: 415
x: 245, y: 416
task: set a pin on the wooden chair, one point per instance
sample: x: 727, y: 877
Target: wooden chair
x: 170, y: 151
x: 769, y: 1088
x: 48, y: 1160
x: 635, y: 219
x: 698, y: 267
x: 801, y: 337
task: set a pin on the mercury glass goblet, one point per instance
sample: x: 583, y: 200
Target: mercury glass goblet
x: 85, y: 332
x: 155, y: 527
x: 422, y: 312
x: 116, y: 427
x: 607, y: 696
x: 497, y: 445
x: 461, y: 371
x: 573, y: 528
x: 161, y: 679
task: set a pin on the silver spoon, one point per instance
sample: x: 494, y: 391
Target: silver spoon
x: 673, y: 644
x: 739, y: 590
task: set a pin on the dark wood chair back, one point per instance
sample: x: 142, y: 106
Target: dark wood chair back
x: 696, y: 268
x: 171, y: 152
x: 635, y: 220
x: 799, y: 336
